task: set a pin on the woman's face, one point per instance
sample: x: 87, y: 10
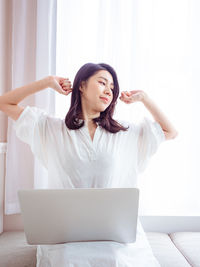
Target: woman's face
x: 99, y: 86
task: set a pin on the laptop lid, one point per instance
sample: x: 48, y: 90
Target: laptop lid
x: 53, y: 216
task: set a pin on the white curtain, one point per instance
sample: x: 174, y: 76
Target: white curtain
x: 33, y: 56
x: 3, y: 148
x: 153, y: 46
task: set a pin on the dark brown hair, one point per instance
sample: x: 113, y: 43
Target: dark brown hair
x: 73, y: 118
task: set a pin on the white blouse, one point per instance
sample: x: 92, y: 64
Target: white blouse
x: 73, y: 160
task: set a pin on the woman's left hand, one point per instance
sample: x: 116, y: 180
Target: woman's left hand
x: 132, y: 96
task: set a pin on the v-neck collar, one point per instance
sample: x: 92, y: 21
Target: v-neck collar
x: 86, y: 133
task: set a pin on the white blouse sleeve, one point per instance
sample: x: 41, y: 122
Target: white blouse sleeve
x: 31, y: 128
x: 150, y: 136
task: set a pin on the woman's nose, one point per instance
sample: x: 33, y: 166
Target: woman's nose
x: 108, y: 90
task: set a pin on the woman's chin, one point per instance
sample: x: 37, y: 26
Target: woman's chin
x: 103, y: 109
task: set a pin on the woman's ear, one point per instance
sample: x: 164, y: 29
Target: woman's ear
x: 81, y: 87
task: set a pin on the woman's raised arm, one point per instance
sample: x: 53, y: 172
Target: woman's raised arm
x: 139, y: 95
x: 9, y: 101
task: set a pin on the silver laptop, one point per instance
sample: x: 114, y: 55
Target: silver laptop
x: 81, y: 214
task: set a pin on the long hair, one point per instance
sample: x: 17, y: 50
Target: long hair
x: 73, y: 118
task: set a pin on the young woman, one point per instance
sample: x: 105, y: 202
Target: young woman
x: 89, y: 149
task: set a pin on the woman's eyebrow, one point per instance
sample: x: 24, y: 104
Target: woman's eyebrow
x: 105, y: 79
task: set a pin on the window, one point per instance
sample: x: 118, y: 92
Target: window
x: 153, y: 46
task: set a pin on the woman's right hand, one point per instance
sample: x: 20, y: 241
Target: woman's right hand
x: 60, y: 84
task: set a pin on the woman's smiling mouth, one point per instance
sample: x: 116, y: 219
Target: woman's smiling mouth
x: 104, y: 99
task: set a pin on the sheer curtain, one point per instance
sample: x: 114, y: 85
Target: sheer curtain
x: 32, y: 57
x: 154, y: 46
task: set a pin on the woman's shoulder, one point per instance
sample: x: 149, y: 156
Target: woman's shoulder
x: 123, y: 122
x: 131, y: 127
x: 127, y: 123
x: 33, y: 117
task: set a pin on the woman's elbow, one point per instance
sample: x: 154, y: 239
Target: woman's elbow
x: 170, y: 135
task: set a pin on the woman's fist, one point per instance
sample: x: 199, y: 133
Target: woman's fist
x: 132, y: 96
x: 60, y: 84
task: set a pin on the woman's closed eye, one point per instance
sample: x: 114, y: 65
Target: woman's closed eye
x: 105, y: 84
